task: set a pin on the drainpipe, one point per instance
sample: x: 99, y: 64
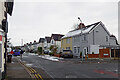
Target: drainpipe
x: 93, y: 38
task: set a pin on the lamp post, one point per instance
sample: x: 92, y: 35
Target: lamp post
x: 81, y: 35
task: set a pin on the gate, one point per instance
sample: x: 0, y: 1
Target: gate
x: 104, y: 53
x: 115, y: 53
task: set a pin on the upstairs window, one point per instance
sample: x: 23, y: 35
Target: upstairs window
x: 106, y: 38
x: 52, y: 41
x: 84, y: 38
x: 67, y: 41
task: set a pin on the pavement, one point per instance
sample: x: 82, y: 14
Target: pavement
x: 16, y: 71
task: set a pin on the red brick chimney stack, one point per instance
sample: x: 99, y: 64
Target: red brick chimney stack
x: 81, y: 25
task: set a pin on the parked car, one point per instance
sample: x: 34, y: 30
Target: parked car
x: 33, y: 51
x: 67, y: 53
x: 47, y: 51
x: 16, y: 52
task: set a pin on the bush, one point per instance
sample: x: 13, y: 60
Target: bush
x: 51, y: 47
x: 51, y: 54
x: 40, y: 50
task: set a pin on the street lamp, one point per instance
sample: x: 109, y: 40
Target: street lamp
x: 81, y: 35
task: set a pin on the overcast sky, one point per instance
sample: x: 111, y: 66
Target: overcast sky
x: 32, y: 20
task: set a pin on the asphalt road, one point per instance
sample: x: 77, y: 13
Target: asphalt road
x: 69, y: 68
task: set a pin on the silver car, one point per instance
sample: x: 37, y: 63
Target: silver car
x: 67, y: 53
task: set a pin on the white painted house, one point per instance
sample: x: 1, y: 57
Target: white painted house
x: 56, y: 41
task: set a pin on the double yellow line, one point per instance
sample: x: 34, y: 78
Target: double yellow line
x: 33, y: 73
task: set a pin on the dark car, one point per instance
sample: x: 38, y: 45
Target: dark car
x: 67, y: 53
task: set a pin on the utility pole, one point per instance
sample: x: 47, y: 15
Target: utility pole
x: 81, y: 35
x: 21, y: 42
x: 21, y: 48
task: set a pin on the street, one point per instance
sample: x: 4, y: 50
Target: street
x: 68, y: 68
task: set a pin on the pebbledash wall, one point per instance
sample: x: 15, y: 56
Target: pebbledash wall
x: 2, y: 41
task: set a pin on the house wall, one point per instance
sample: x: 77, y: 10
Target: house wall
x: 1, y: 12
x: 58, y: 44
x: 52, y: 42
x: 78, y: 44
x: 112, y: 41
x: 3, y: 51
x: 2, y: 59
x: 64, y: 43
x: 99, y: 36
x: 119, y: 22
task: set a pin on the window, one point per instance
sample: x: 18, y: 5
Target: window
x: 52, y: 41
x: 74, y: 49
x: 106, y: 38
x: 67, y: 41
x: 84, y: 37
x: 68, y: 48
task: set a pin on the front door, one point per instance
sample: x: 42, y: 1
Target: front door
x: 84, y: 51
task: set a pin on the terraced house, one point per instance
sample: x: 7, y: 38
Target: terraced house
x: 88, y: 39
x: 5, y: 7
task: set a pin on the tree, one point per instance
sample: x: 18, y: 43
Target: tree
x: 51, y: 47
x: 75, y: 26
x: 40, y: 50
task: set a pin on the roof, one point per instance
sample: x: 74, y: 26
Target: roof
x: 48, y: 39
x: 84, y: 30
x: 41, y: 40
x: 57, y: 37
x: 114, y: 38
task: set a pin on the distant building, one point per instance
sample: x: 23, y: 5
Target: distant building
x: 41, y: 42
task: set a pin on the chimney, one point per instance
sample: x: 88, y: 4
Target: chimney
x: 81, y: 25
x: 30, y: 42
x: 34, y: 41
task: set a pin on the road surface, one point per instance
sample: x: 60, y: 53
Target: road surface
x: 69, y: 68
